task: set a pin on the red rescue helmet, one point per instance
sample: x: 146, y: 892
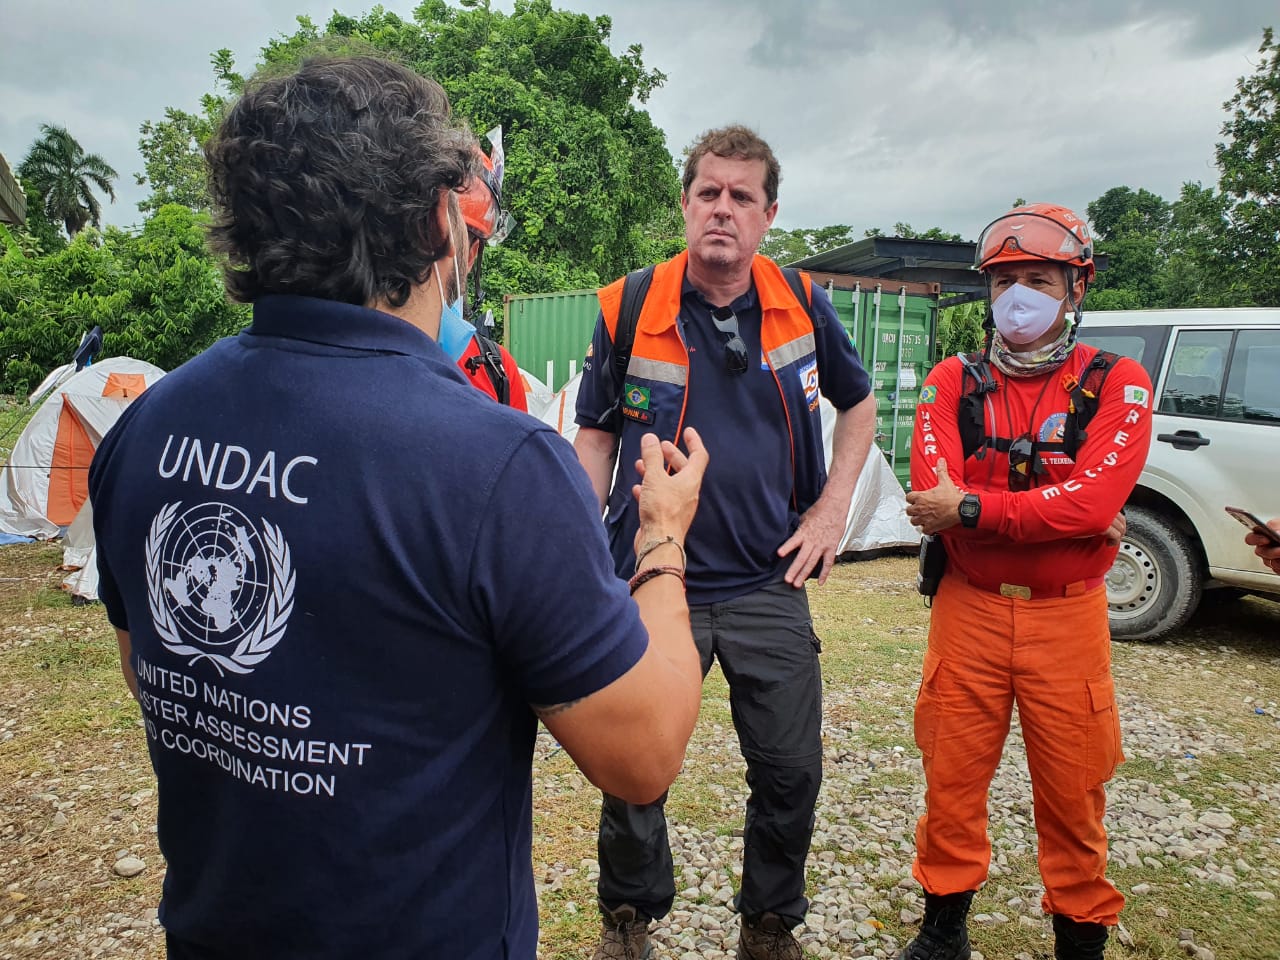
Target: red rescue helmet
x: 1037, y: 231
x: 481, y: 200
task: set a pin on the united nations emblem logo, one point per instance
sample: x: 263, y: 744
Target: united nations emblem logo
x: 219, y: 589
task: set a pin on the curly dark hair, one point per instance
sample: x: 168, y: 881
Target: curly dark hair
x: 735, y: 143
x: 325, y: 182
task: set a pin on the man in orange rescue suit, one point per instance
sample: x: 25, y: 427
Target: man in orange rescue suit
x: 1022, y: 458
x: 724, y: 342
x: 486, y: 363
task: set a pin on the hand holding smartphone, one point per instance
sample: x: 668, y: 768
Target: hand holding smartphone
x: 1254, y: 523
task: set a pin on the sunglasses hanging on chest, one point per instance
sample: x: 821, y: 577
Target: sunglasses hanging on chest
x: 735, y: 349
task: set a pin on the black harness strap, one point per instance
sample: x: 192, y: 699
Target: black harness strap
x: 978, y: 383
x: 490, y: 357
x: 803, y: 295
x: 634, y: 290
x: 635, y: 287
x: 1084, y: 401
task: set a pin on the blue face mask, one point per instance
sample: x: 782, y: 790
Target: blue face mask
x: 455, y: 333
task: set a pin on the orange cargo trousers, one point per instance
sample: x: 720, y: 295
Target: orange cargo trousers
x: 1053, y: 658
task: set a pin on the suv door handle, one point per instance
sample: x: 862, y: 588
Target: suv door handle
x: 1184, y: 439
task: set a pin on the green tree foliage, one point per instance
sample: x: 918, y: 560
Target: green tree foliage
x: 157, y: 294
x: 960, y: 329
x: 1249, y: 161
x: 63, y: 177
x: 172, y: 148
x: 1132, y: 228
x: 1122, y: 212
x: 788, y: 246
x: 41, y: 235
x: 589, y: 178
x: 905, y: 231
x: 172, y: 160
x: 1202, y: 268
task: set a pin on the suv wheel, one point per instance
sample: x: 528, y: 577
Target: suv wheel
x: 1155, y: 584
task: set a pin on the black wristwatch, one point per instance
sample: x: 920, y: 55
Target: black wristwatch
x: 970, y: 509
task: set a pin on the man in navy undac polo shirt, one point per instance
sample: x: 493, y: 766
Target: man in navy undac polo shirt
x: 346, y: 583
x: 727, y: 343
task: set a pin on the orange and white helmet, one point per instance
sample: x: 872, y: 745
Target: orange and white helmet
x: 481, y: 201
x: 1037, y: 231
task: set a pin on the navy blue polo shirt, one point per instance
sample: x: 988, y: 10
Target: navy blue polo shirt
x: 745, y: 508
x: 346, y: 574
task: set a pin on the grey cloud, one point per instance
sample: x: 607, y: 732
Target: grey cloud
x: 795, y: 35
x: 102, y: 70
x: 931, y: 112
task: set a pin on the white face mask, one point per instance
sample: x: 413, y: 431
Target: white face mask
x: 1024, y: 315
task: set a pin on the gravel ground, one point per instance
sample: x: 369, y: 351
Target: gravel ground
x: 1192, y: 815
x: 1149, y: 824
x: 1193, y: 808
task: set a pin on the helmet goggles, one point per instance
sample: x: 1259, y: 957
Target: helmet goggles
x: 481, y: 197
x: 1027, y: 233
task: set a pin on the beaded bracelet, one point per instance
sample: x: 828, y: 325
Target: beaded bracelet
x: 649, y: 546
x: 649, y: 573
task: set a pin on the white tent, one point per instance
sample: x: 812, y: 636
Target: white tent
x: 877, y: 516
x: 44, y: 487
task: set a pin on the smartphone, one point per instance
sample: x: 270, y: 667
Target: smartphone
x: 1254, y: 524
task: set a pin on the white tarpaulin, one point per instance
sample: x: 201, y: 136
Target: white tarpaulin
x: 80, y: 555
x: 877, y: 516
x: 537, y: 394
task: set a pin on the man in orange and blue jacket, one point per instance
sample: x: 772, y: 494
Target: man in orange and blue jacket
x: 723, y: 344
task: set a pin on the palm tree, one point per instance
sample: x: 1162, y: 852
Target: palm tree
x: 62, y: 173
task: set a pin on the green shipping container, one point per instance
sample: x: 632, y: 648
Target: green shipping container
x: 548, y: 333
x: 893, y: 325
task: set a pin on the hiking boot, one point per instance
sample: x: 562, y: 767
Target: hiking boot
x: 1073, y: 940
x: 767, y: 938
x: 943, y: 934
x: 624, y: 935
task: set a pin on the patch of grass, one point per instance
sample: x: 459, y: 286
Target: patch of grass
x: 1214, y: 912
x: 51, y: 599
x: 15, y: 413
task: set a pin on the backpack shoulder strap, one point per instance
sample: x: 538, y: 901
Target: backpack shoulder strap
x: 491, y: 358
x: 1096, y: 374
x: 635, y: 287
x: 976, y: 383
x: 804, y: 295
x: 1084, y: 401
x: 634, y: 290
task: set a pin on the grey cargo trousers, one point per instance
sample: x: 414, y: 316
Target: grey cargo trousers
x: 768, y: 651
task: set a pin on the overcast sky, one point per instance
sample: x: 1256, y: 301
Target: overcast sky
x: 934, y: 112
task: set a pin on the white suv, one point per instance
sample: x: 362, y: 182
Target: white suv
x: 1215, y: 442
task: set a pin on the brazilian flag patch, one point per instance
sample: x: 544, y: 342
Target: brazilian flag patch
x: 636, y: 397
